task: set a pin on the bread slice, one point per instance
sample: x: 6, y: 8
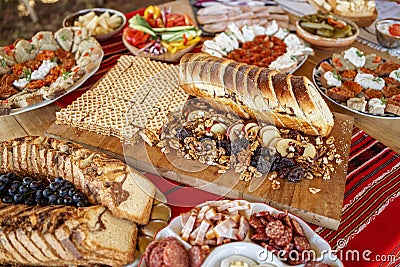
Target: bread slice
x: 11, y: 250
x: 104, y: 180
x: 44, y: 247
x: 28, y: 244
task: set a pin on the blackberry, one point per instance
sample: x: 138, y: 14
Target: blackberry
x: 27, y: 181
x: 4, y: 179
x: 18, y: 198
x: 47, y: 192
x: 24, y: 189
x: 59, y: 180
x: 7, y: 200
x: 2, y: 185
x: 63, y: 191
x: 54, y: 186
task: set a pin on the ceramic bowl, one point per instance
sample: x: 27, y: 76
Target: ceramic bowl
x: 325, y: 42
x: 382, y: 33
x: 70, y: 19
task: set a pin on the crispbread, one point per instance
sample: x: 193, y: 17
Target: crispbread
x: 137, y: 93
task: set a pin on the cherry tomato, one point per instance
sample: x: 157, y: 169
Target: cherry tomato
x: 377, y: 59
x: 394, y: 29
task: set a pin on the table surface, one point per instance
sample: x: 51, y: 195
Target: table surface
x: 387, y: 131
x: 372, y: 182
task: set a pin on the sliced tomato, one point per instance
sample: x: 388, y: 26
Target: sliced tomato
x: 336, y: 23
x: 174, y: 19
x: 394, y: 29
x: 135, y: 37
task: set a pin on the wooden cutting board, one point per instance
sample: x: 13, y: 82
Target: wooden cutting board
x: 323, y: 209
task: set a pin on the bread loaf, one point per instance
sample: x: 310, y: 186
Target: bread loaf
x: 64, y: 235
x: 258, y: 93
x: 104, y: 180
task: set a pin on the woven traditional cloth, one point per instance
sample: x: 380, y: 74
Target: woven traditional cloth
x: 371, y: 211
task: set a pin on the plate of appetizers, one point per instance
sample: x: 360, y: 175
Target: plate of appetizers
x: 364, y: 84
x: 162, y: 33
x: 268, y: 46
x: 36, y: 73
x: 211, y: 233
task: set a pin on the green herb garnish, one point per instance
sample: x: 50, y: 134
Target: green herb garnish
x: 29, y: 51
x: 397, y: 74
x: 383, y: 101
x: 27, y: 73
x: 63, y: 38
x: 66, y: 74
x: 377, y: 79
x: 360, y: 54
x: 336, y: 75
x: 293, y: 58
x: 3, y: 62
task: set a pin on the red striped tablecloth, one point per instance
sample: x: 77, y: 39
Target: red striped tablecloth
x: 369, y: 233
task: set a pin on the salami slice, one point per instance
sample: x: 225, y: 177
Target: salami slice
x: 148, y: 251
x: 285, y: 239
x: 275, y: 229
x: 174, y: 255
x: 316, y: 264
x: 288, y: 221
x: 156, y: 257
x: 255, y: 222
x: 259, y: 237
x: 301, y: 243
x: 265, y: 214
x: 196, y: 256
x: 297, y: 227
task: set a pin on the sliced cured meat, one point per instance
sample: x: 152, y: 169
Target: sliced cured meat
x: 175, y: 255
x: 255, y: 222
x: 196, y: 256
x: 297, y: 228
x: 259, y: 237
x: 285, y: 239
x: 371, y: 93
x: 275, y: 229
x: 389, y: 91
x: 148, y: 251
x: 301, y: 243
x: 156, y: 258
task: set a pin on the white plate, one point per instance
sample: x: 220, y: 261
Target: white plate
x: 91, y: 69
x: 317, y: 82
x: 317, y: 243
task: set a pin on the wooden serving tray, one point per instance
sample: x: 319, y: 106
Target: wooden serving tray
x: 180, y: 7
x: 323, y: 208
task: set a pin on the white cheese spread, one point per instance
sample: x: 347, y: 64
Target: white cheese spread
x: 236, y: 31
x: 355, y: 56
x: 375, y: 106
x: 272, y: 28
x: 20, y: 83
x: 258, y: 30
x: 395, y: 75
x: 369, y: 81
x: 38, y: 74
x: 332, y: 79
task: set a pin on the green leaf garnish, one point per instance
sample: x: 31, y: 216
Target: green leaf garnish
x: 377, y: 79
x: 336, y: 75
x: 360, y: 54
x: 66, y: 74
x: 383, y: 101
x: 30, y: 49
x: 27, y: 73
x: 63, y: 38
x: 397, y: 74
x: 3, y: 62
